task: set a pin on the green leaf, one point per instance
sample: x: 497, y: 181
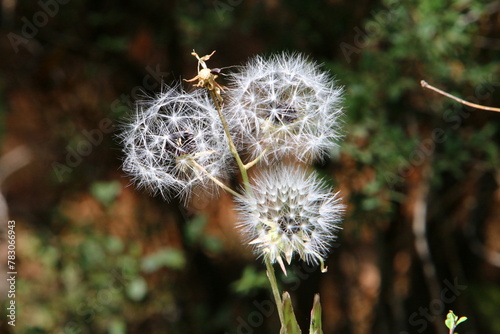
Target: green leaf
x: 137, y: 289
x: 316, y: 326
x: 195, y: 228
x: 170, y: 258
x: 105, y: 192
x: 452, y: 321
x: 212, y: 244
x: 114, y: 245
x: 117, y: 327
x: 449, y: 323
x: 251, y: 279
x: 451, y: 318
x: 290, y: 326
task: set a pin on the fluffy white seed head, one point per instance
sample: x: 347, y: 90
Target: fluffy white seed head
x: 167, y: 135
x: 287, y: 212
x: 285, y: 105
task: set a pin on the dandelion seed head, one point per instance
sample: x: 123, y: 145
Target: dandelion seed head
x: 166, y: 134
x: 286, y: 105
x: 280, y: 218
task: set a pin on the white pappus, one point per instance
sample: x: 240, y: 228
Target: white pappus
x: 284, y: 105
x: 171, y: 139
x: 289, y: 211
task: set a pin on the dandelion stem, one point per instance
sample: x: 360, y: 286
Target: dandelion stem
x: 253, y: 162
x: 424, y: 84
x: 274, y: 286
x: 232, y: 147
x: 217, y: 181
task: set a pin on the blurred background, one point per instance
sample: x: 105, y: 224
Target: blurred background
x: 419, y: 173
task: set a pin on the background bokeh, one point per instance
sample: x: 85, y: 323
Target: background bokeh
x: 419, y: 173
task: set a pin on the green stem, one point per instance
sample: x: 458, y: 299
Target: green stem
x: 244, y: 175
x: 274, y: 286
x: 252, y: 163
x: 232, y: 147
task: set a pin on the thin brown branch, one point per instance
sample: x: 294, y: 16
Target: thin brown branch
x: 424, y: 84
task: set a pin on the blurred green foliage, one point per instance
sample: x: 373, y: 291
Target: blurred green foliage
x: 487, y: 298
x: 399, y: 44
x: 251, y: 279
x: 105, y: 192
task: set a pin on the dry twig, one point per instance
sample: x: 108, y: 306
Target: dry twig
x: 424, y: 84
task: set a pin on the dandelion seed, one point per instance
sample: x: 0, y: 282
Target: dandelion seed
x: 166, y: 135
x: 286, y: 106
x: 302, y: 218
